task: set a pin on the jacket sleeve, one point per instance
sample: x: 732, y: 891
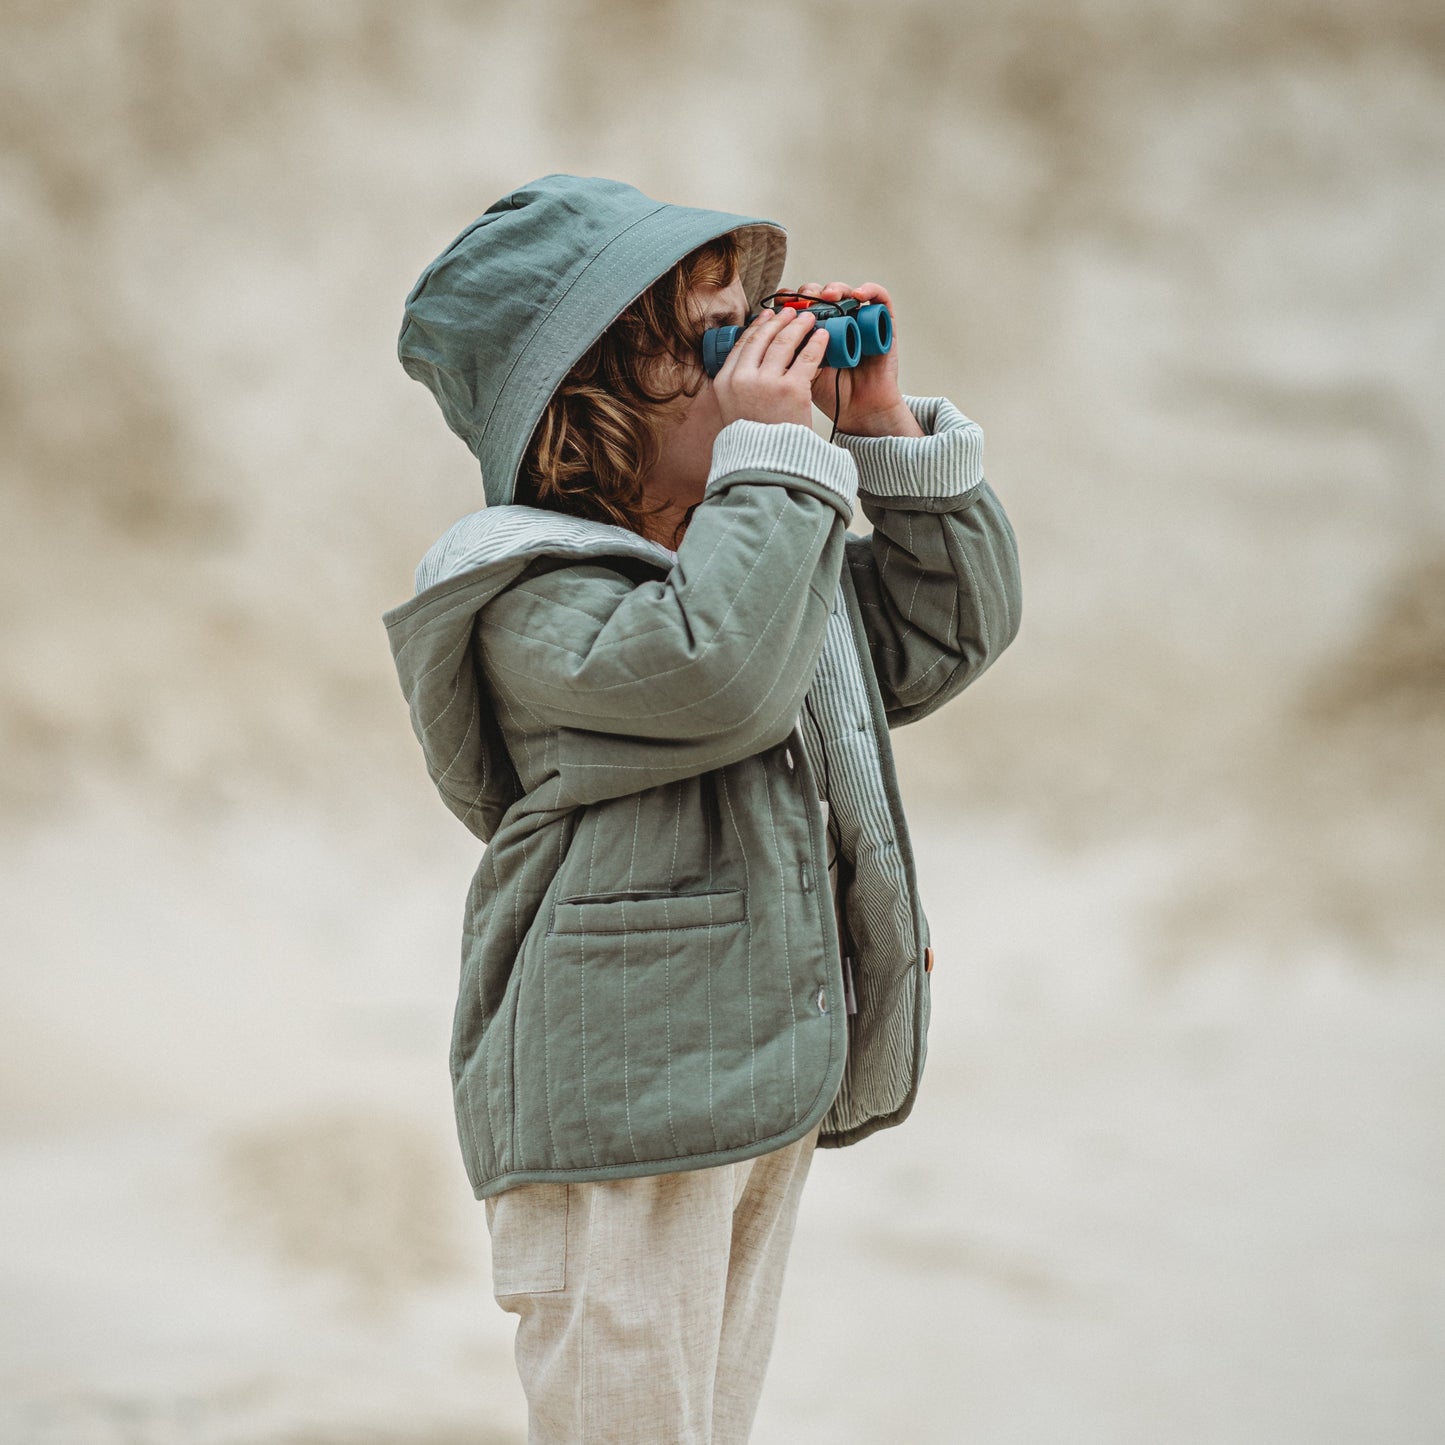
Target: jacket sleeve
x: 651, y: 681
x: 938, y: 578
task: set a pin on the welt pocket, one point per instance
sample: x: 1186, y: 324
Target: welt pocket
x: 640, y: 910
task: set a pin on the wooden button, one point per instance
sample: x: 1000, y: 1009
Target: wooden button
x: 928, y: 959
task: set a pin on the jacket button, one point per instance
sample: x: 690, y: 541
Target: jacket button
x: 928, y: 959
x: 822, y: 999
x: 788, y: 756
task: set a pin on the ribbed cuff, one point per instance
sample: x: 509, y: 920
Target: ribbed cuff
x: 948, y: 462
x: 782, y: 446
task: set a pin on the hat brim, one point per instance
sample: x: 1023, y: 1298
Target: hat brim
x: 636, y: 259
x: 765, y: 249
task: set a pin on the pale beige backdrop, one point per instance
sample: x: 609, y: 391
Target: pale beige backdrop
x: 1178, y: 1170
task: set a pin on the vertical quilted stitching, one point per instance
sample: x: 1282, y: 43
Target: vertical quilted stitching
x: 747, y: 888
x: 784, y: 869
x: 543, y: 970
x: 512, y: 1042
x: 711, y: 1059
x: 582, y: 985
x: 667, y: 968
x: 626, y: 1084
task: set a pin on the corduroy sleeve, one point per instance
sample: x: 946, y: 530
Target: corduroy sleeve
x: 938, y: 578
x: 655, y: 680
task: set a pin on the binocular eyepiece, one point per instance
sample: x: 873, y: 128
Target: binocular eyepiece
x: 854, y: 330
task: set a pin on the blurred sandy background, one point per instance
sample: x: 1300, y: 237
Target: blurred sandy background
x: 1178, y: 1170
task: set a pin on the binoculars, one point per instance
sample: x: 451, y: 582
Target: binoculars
x: 855, y: 330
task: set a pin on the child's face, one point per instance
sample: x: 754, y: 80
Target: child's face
x: 691, y: 424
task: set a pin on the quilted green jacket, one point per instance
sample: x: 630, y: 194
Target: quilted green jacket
x: 651, y: 971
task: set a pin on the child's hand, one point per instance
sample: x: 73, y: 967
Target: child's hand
x: 766, y: 376
x: 869, y: 400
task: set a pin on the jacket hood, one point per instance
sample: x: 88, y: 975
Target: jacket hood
x: 433, y: 642
x: 496, y: 322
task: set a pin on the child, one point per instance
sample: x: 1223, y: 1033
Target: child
x: 656, y: 676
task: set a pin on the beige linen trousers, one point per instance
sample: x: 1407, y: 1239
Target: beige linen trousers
x: 647, y: 1307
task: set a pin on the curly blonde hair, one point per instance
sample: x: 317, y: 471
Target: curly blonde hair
x: 599, y: 434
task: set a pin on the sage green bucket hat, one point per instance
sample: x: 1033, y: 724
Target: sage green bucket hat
x: 497, y: 321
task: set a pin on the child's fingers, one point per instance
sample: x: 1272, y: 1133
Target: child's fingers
x: 757, y: 336
x: 836, y: 290
x: 754, y: 339
x: 872, y: 292
x: 805, y: 360
x: 815, y: 348
x: 785, y: 340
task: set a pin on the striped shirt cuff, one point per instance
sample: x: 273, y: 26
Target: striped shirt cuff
x: 782, y: 446
x: 948, y: 462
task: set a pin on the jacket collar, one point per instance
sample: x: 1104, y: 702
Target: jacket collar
x: 512, y: 534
